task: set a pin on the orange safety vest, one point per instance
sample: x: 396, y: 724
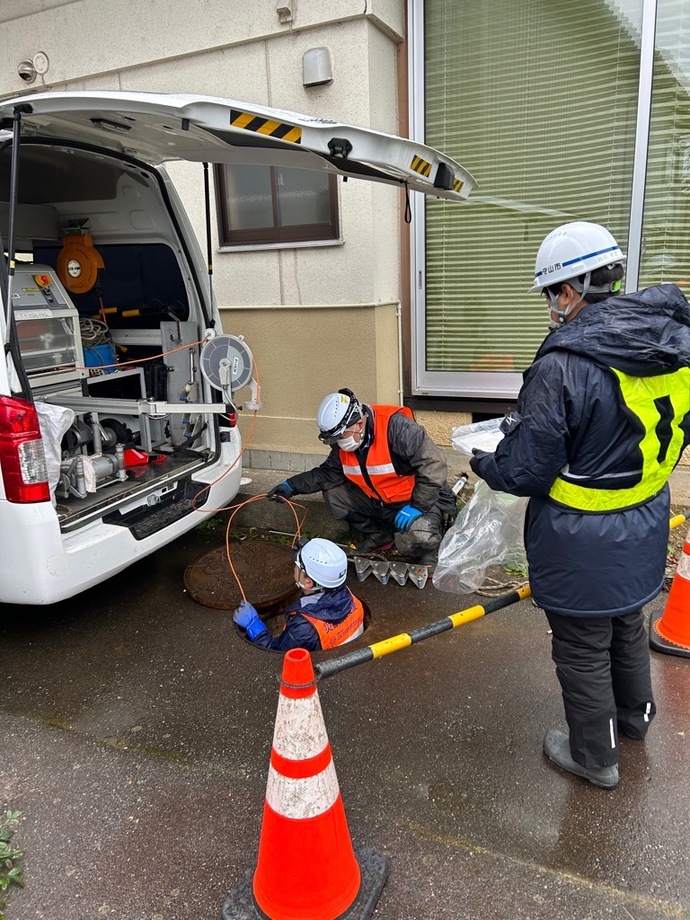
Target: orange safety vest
x: 379, y: 479
x: 334, y: 634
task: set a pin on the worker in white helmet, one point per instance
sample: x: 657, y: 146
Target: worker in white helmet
x: 602, y: 418
x: 326, y: 614
x: 384, y: 476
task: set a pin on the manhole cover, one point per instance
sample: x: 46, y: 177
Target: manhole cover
x: 265, y: 570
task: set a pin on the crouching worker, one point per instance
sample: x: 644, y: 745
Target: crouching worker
x: 326, y: 615
x: 384, y: 476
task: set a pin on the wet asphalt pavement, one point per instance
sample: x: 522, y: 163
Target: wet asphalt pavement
x: 136, y: 733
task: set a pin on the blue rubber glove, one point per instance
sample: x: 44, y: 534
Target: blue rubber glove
x: 280, y: 492
x: 406, y: 516
x: 247, y: 617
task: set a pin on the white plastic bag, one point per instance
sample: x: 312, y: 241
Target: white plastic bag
x: 487, y: 531
x: 54, y: 422
x: 482, y: 435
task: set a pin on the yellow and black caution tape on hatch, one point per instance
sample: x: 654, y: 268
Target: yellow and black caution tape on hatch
x: 266, y: 126
x: 421, y: 166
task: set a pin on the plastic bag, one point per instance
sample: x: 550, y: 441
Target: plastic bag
x: 482, y: 435
x: 54, y: 422
x: 487, y: 531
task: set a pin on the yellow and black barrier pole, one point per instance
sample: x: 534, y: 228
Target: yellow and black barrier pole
x: 404, y: 640
x: 678, y: 519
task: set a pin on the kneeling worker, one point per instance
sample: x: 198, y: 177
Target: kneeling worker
x: 384, y: 476
x: 325, y: 616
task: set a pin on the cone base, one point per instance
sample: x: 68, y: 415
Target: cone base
x: 240, y: 903
x: 659, y: 643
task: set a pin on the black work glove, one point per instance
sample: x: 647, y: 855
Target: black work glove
x: 280, y: 492
x: 475, y: 458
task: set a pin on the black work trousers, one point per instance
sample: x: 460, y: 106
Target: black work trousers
x: 371, y: 517
x: 602, y: 664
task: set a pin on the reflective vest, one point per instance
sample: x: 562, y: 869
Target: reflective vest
x: 661, y: 405
x: 333, y: 634
x: 378, y: 479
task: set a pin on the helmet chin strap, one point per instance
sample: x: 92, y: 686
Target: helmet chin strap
x: 562, y: 315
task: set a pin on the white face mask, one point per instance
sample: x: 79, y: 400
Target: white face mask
x: 349, y: 443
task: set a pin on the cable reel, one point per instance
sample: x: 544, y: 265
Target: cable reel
x: 78, y: 263
x: 227, y: 364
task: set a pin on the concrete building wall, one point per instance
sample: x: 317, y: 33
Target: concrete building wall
x: 316, y: 317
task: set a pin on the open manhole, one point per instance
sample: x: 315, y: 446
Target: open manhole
x: 266, y: 571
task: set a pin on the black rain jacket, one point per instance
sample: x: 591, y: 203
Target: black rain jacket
x: 413, y: 454
x: 570, y: 412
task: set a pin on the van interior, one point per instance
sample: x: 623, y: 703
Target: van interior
x: 110, y: 318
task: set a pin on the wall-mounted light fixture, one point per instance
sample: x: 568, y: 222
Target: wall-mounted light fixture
x: 27, y: 71
x: 317, y: 68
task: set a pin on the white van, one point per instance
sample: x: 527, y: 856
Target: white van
x: 117, y: 386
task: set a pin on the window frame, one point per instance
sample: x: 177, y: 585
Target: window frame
x: 476, y: 385
x: 275, y: 235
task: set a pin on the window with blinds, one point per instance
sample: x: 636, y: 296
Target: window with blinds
x: 538, y: 99
x: 665, y: 252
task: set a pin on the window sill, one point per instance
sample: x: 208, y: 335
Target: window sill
x: 303, y: 244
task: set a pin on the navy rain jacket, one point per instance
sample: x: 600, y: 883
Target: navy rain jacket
x: 570, y: 412
x: 331, y: 605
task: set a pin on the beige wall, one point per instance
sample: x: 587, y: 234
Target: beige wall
x: 87, y: 38
x: 303, y: 354
x: 316, y: 317
x: 440, y: 425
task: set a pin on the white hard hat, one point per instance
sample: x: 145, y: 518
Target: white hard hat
x: 572, y: 250
x: 337, y: 412
x: 323, y: 561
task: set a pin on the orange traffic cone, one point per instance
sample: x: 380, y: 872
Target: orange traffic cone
x: 307, y: 868
x: 669, y: 631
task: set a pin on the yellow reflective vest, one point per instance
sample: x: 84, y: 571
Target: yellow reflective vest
x: 661, y: 406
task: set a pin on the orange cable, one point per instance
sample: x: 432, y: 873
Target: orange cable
x: 236, y: 508
x: 150, y: 358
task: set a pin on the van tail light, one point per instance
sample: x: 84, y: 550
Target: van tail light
x: 230, y: 418
x: 22, y: 457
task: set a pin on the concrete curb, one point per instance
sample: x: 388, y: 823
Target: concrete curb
x: 316, y: 519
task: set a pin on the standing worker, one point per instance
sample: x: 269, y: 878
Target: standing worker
x: 384, y: 476
x: 325, y: 616
x: 602, y: 419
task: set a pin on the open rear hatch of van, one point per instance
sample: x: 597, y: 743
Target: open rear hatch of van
x: 110, y: 302
x: 155, y: 128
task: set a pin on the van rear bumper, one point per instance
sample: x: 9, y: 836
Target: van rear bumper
x: 41, y: 565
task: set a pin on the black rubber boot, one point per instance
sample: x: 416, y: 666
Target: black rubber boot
x: 557, y: 749
x: 377, y: 542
